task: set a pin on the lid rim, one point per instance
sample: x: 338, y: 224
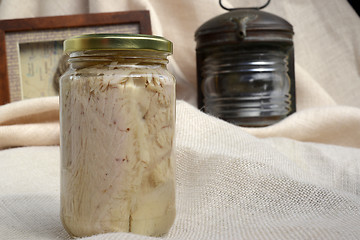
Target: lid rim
x: 115, y: 41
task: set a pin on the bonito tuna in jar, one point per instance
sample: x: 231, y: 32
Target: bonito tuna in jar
x: 117, y: 118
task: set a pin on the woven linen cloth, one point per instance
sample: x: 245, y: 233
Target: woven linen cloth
x: 297, y: 179
x: 326, y: 39
x: 230, y: 185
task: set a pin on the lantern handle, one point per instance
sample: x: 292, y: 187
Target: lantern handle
x: 256, y: 8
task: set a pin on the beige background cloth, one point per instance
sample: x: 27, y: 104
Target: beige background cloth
x: 297, y: 179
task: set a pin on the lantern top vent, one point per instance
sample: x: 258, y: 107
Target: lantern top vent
x: 245, y: 25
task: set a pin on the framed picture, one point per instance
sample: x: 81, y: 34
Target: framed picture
x: 31, y: 50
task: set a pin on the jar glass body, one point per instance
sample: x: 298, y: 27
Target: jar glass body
x: 117, y: 119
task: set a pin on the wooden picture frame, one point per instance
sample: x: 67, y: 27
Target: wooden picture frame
x: 30, y: 47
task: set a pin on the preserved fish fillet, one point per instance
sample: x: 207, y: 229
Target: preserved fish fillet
x: 117, y: 160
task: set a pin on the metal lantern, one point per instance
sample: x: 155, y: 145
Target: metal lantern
x: 245, y: 67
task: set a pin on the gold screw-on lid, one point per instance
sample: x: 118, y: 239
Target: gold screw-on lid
x: 117, y: 42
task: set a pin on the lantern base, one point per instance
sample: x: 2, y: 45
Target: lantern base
x: 254, y: 121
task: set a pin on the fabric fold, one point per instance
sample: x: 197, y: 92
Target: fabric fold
x: 34, y: 134
x: 35, y: 110
x: 36, y: 122
x: 33, y: 122
x: 338, y: 125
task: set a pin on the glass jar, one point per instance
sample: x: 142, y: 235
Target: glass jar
x: 117, y: 119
